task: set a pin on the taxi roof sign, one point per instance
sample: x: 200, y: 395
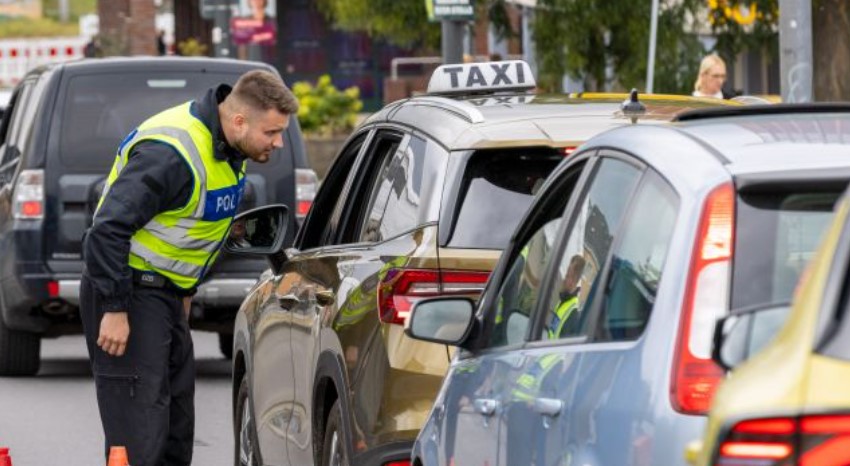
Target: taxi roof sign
x: 470, y: 78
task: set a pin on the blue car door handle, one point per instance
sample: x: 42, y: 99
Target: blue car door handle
x: 548, y: 406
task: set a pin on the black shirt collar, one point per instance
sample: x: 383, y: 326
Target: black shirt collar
x: 206, y: 109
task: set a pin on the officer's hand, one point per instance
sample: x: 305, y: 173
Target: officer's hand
x: 114, y: 331
x: 187, y: 306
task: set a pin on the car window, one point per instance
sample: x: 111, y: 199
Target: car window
x: 520, y: 289
x: 395, y: 207
x: 496, y: 185
x: 318, y: 227
x: 380, y: 165
x: 584, y: 255
x: 99, y: 110
x: 638, y: 262
x: 776, y: 235
x: 16, y: 123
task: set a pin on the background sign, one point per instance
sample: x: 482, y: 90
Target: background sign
x: 454, y: 10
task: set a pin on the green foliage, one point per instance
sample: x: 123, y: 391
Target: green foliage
x: 401, y: 22
x: 42, y: 27
x: 741, y: 25
x: 76, y: 8
x: 324, y: 109
x: 582, y: 37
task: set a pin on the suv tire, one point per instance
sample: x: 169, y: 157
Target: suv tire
x: 333, y: 449
x: 245, y: 453
x: 225, y: 344
x: 20, y: 352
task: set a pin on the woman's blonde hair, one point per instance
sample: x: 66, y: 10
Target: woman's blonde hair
x: 705, y: 65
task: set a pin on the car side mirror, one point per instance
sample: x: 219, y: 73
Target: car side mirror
x: 441, y: 320
x: 259, y: 231
x: 740, y: 335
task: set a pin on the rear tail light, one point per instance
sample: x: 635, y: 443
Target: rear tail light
x: 569, y: 150
x: 53, y: 289
x: 401, y: 288
x: 28, y: 200
x: 306, y: 186
x: 398, y: 463
x: 695, y: 375
x: 821, y: 440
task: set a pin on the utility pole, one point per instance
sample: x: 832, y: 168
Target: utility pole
x: 63, y: 11
x: 452, y: 41
x: 453, y: 16
x: 653, y: 35
x: 795, y: 50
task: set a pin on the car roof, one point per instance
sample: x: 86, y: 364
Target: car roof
x: 171, y: 63
x: 521, y: 119
x: 797, y: 138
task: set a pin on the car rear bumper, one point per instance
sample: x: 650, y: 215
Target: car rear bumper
x: 221, y: 292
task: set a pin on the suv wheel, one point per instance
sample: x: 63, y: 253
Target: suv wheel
x: 333, y: 450
x: 246, y: 444
x: 20, y: 352
x: 225, y: 344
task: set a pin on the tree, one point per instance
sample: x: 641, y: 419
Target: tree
x: 831, y: 49
x: 744, y: 25
x: 405, y: 22
x: 583, y: 38
x: 401, y: 22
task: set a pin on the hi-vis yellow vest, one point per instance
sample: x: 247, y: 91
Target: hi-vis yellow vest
x: 180, y: 244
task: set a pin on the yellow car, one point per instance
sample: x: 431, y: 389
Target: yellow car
x: 790, y: 403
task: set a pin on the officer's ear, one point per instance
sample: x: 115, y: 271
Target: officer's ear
x: 239, y: 120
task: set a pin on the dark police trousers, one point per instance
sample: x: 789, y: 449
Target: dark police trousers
x: 145, y: 396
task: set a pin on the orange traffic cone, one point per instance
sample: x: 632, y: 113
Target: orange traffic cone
x: 5, y: 459
x: 117, y: 457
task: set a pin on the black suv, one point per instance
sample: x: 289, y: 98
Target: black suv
x: 57, y: 143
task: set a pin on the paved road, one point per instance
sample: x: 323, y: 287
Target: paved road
x: 52, y: 419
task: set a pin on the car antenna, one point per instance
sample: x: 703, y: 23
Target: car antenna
x: 632, y: 107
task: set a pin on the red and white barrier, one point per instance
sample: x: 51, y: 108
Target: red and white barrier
x: 17, y: 56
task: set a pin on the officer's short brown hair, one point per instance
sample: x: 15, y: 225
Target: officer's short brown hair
x: 264, y: 90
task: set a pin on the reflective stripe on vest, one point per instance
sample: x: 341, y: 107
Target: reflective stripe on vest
x: 528, y: 384
x: 562, y: 313
x: 181, y: 243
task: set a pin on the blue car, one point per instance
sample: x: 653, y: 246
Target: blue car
x: 591, y: 344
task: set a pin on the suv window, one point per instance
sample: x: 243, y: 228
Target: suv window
x: 518, y: 293
x: 398, y: 200
x: 365, y: 217
x: 776, y: 235
x: 16, y: 123
x: 583, y: 257
x: 318, y: 227
x: 496, y: 185
x: 100, y: 109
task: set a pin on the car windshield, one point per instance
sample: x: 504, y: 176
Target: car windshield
x: 496, y: 189
x: 776, y: 235
x: 101, y: 109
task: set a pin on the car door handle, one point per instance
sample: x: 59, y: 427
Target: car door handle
x: 287, y: 301
x: 548, y: 406
x: 486, y: 406
x: 325, y: 297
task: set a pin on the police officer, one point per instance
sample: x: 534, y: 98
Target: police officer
x: 565, y: 315
x: 166, y: 207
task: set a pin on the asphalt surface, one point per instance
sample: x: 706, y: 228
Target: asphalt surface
x: 52, y: 419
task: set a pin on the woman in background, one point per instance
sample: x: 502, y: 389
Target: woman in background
x: 712, y: 76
